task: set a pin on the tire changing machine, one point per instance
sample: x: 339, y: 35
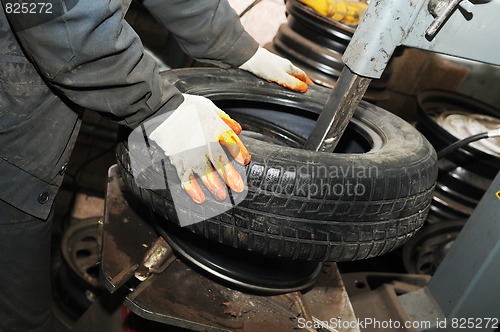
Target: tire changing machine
x: 462, y: 292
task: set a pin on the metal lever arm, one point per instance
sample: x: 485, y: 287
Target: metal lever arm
x: 337, y: 111
x: 431, y: 25
x: 441, y: 10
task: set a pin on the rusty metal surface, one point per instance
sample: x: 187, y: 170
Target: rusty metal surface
x: 329, y: 300
x: 156, y: 260
x: 126, y: 237
x: 176, y: 294
x: 376, y: 297
x: 183, y: 297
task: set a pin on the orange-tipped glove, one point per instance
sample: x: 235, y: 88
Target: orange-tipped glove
x: 274, y: 68
x: 192, y: 137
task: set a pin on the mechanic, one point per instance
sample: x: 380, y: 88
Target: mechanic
x: 83, y: 55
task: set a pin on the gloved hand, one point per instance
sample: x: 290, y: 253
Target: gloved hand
x: 274, y: 68
x: 192, y: 137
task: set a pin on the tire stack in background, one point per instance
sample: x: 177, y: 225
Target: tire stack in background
x: 464, y: 174
x: 316, y: 44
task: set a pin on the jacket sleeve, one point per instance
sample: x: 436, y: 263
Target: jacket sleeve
x: 208, y: 30
x: 87, y: 52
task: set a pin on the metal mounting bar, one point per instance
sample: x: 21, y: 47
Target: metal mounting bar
x: 338, y: 111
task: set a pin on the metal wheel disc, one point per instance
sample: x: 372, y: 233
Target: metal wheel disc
x: 240, y: 269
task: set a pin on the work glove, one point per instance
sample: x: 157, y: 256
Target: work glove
x: 274, y: 68
x: 193, y: 137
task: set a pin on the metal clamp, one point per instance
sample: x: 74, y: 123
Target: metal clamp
x: 441, y: 10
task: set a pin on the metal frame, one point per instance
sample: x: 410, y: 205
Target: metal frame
x: 466, y: 30
x: 464, y: 290
x: 453, y: 27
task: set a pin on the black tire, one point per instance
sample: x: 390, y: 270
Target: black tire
x: 278, y: 217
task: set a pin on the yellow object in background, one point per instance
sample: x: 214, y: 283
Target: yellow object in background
x: 349, y: 12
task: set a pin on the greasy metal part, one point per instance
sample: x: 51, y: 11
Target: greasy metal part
x: 337, y: 112
x: 299, y: 305
x: 360, y: 283
x: 122, y: 255
x: 374, y: 297
x: 420, y: 306
x: 237, y: 268
x: 156, y: 260
x: 441, y: 10
x: 183, y: 297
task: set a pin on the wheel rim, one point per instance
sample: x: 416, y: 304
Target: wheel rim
x: 425, y: 251
x: 240, y: 269
x: 290, y: 126
x: 466, y: 173
x: 81, y: 252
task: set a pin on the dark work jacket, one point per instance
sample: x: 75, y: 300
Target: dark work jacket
x: 84, y: 55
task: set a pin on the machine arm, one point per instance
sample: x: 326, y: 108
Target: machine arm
x: 459, y: 28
